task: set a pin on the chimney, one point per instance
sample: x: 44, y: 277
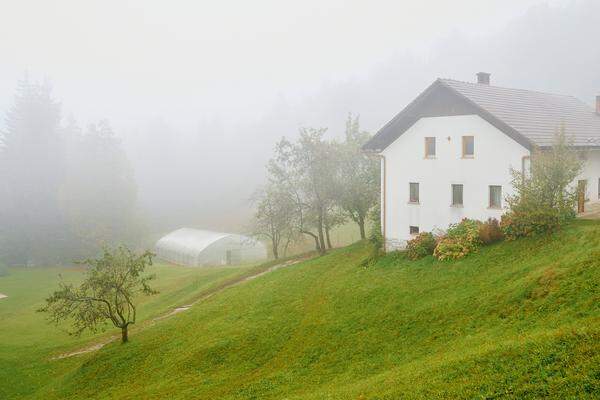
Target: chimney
x: 598, y: 104
x: 483, y: 78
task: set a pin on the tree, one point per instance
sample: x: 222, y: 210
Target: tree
x: 31, y: 172
x: 108, y: 293
x: 545, y: 196
x: 359, y: 176
x: 306, y: 170
x: 273, y: 219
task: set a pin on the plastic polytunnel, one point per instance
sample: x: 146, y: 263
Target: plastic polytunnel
x: 195, y: 247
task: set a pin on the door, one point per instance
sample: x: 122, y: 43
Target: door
x: 581, y: 190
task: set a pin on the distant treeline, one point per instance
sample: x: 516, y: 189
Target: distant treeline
x: 64, y: 192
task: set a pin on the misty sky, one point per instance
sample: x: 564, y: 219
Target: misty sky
x: 190, y: 60
x: 200, y: 91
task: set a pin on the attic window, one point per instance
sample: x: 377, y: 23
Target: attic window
x: 413, y: 230
x: 429, y: 147
x: 468, y: 146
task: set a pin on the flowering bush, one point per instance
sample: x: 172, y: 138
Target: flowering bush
x: 461, y: 239
x: 422, y: 245
x: 490, y: 231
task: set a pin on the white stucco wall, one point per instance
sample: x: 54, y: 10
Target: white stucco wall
x: 591, y: 173
x: 405, y: 162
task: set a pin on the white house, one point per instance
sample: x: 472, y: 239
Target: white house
x: 448, y: 154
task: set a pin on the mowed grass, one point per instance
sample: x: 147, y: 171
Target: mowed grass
x: 517, y: 320
x: 27, y: 341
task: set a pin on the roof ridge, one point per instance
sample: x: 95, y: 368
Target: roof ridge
x: 515, y: 89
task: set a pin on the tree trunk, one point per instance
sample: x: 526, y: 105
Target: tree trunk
x: 124, y: 337
x: 321, y: 236
x: 275, y: 251
x: 317, y: 244
x: 361, y: 225
x: 329, y: 246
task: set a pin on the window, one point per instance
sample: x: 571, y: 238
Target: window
x: 495, y: 196
x: 457, y: 195
x: 468, y: 146
x: 429, y: 147
x: 414, y: 193
x: 414, y: 230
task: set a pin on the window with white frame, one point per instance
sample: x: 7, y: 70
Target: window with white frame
x: 495, y: 196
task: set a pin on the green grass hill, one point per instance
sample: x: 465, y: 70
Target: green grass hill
x: 516, y: 320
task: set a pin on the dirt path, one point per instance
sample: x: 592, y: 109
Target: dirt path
x: 206, y: 295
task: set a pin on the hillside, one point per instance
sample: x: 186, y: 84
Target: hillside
x: 519, y: 320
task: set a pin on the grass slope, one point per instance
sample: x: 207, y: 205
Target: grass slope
x: 518, y: 320
x: 27, y: 341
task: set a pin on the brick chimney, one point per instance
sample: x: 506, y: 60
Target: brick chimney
x: 598, y: 104
x: 483, y: 78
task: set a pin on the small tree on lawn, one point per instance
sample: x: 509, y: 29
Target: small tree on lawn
x: 274, y: 218
x: 545, y: 196
x: 108, y: 293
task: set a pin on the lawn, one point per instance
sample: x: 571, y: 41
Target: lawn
x: 516, y: 320
x: 27, y: 341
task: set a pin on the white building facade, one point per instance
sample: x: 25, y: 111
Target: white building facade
x: 445, y: 158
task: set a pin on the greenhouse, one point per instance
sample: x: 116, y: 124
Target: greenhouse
x: 195, y: 247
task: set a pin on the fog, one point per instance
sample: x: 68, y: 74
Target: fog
x: 198, y: 93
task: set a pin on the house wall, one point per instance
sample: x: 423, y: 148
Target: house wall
x: 495, y: 153
x: 591, y: 173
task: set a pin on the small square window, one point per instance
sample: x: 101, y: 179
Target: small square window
x: 414, y: 230
x: 414, y: 192
x: 457, y: 195
x: 429, y: 147
x: 495, y: 196
x: 468, y: 146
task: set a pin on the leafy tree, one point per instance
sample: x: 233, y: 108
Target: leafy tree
x: 273, y: 219
x: 108, y: 293
x: 306, y: 170
x: 31, y: 172
x: 359, y: 176
x: 545, y: 196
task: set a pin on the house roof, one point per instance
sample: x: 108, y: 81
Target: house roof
x: 529, y: 117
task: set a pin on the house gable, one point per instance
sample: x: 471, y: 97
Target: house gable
x: 438, y: 100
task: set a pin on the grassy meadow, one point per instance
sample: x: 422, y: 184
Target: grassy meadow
x: 27, y: 341
x: 516, y: 320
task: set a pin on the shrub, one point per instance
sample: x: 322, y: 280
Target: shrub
x: 422, y: 245
x: 490, y: 231
x: 520, y: 223
x: 545, y: 196
x: 461, y: 239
